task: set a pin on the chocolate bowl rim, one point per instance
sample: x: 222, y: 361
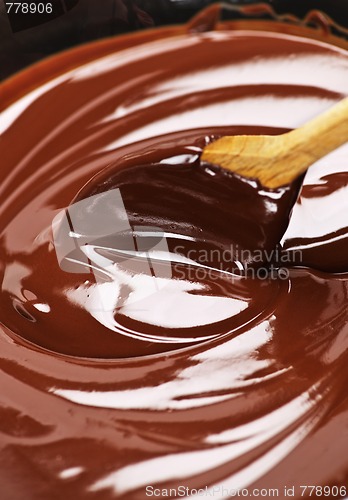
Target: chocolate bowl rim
x: 37, y: 74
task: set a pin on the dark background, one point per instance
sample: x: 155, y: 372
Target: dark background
x: 25, y: 39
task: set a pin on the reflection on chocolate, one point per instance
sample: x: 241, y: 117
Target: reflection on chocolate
x: 216, y: 379
x: 247, y: 216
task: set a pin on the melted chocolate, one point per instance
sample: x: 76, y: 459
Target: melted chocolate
x: 213, y: 378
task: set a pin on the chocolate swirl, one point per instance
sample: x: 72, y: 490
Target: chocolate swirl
x: 215, y: 379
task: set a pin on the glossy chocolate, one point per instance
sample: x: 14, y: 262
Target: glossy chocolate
x: 216, y: 378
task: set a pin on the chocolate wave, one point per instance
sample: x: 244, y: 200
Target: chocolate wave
x: 217, y: 380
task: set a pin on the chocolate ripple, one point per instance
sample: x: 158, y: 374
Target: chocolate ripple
x: 216, y: 379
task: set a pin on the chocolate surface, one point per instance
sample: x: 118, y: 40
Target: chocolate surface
x: 213, y: 378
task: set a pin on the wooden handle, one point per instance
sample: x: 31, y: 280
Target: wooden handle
x: 278, y: 160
